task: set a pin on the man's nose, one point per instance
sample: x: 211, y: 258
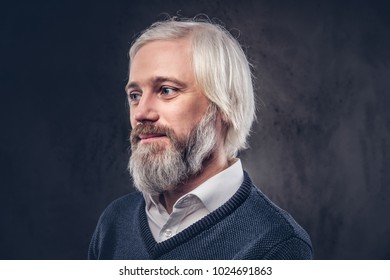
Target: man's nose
x: 145, y: 111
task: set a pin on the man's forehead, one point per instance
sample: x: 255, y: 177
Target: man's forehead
x: 162, y: 60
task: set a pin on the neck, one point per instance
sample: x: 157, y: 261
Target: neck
x: 211, y: 167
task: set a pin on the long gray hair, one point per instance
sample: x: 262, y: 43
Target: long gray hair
x: 221, y: 69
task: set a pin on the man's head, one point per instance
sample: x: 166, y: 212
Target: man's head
x: 191, y: 96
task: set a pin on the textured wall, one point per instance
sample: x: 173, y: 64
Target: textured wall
x: 320, y: 148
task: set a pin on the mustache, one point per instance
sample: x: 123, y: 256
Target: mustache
x: 150, y: 129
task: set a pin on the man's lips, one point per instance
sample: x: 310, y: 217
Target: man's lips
x: 150, y: 136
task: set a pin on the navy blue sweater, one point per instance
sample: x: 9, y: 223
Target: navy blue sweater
x: 248, y: 226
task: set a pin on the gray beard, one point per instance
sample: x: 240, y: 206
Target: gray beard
x: 157, y: 168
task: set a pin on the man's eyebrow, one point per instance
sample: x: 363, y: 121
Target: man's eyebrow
x: 131, y: 85
x: 160, y: 80
x: 157, y: 81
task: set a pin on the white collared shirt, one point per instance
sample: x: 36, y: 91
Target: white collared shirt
x: 194, y: 205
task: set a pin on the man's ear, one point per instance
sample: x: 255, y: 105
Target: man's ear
x: 224, y: 119
x: 223, y: 122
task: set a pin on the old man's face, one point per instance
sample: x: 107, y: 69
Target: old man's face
x: 173, y: 122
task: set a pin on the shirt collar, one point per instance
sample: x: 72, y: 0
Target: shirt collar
x: 214, y: 192
x: 221, y: 187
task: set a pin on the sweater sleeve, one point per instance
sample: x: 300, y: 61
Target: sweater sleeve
x: 93, y: 250
x: 293, y: 248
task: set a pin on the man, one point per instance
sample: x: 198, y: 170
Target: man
x: 191, y: 109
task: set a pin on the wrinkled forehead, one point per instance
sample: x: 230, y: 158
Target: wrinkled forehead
x: 163, y: 59
x: 163, y: 55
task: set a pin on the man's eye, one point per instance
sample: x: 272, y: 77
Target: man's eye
x: 134, y: 96
x: 168, y: 90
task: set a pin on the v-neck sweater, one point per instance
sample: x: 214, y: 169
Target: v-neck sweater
x: 247, y: 226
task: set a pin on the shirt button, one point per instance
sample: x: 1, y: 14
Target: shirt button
x: 168, y: 233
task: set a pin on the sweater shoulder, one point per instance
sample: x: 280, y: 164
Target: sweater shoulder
x: 278, y: 216
x: 278, y: 225
x: 122, y: 206
x: 118, y: 218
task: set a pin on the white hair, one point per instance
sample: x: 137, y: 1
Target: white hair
x: 221, y: 70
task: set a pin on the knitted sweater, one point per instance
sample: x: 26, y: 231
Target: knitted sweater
x: 248, y: 226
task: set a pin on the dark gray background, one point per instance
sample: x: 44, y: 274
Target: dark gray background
x: 320, y: 148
